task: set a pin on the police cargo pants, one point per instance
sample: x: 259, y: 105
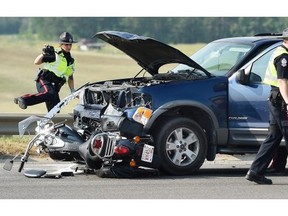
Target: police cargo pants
x: 278, y: 129
x: 47, y: 92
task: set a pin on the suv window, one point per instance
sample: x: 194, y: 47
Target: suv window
x: 259, y: 67
x: 219, y: 57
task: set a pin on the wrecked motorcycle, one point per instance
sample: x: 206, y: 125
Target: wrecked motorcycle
x: 114, y: 148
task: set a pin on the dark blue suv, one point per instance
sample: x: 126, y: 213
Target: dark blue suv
x: 212, y: 102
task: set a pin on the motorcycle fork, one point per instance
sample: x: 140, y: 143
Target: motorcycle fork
x: 25, y: 157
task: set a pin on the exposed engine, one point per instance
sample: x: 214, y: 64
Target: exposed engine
x: 102, y: 101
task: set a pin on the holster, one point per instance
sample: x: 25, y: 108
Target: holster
x: 276, y: 99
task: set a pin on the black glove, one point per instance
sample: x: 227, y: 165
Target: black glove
x: 48, y: 50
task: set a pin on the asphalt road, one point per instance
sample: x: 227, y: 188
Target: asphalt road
x: 221, y: 179
x: 218, y: 184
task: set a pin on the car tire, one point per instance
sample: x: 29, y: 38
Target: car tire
x: 181, y: 145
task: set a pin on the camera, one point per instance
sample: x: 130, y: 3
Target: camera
x: 48, y: 50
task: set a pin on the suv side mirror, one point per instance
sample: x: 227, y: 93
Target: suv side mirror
x: 242, y: 78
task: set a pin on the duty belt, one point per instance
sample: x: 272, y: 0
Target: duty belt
x: 51, y: 77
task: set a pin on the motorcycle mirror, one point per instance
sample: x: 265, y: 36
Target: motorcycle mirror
x: 8, y: 165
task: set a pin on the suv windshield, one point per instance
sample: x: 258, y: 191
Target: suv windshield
x: 218, y: 57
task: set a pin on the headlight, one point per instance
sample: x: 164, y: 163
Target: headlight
x: 49, y: 140
x: 142, y: 115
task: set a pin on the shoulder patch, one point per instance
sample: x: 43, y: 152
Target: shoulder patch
x: 283, y: 62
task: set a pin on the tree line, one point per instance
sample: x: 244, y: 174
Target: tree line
x: 166, y: 29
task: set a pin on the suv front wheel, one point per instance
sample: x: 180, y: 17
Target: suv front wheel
x: 181, y: 145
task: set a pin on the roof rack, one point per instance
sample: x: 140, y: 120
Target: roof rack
x: 268, y: 34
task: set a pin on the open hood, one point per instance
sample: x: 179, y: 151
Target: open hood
x: 147, y: 52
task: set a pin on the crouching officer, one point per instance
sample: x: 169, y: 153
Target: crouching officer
x: 276, y: 76
x: 59, y: 67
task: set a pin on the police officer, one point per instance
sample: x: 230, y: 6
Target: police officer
x: 58, y: 69
x: 276, y: 76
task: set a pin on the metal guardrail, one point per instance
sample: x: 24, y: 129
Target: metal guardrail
x: 9, y: 122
